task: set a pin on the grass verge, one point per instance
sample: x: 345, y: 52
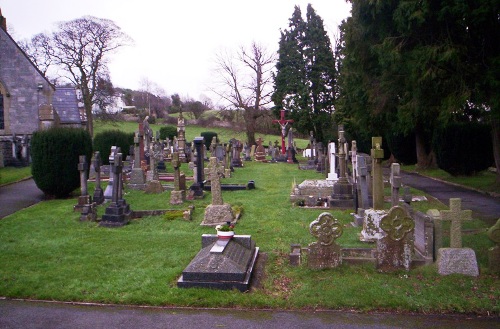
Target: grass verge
x: 10, y: 175
x: 47, y: 253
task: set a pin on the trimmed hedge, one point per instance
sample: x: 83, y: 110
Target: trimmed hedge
x: 463, y: 148
x: 55, y: 156
x: 403, y: 147
x: 106, y: 139
x: 208, y: 135
x: 168, y: 132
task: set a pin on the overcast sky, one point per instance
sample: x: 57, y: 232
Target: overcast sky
x: 175, y: 42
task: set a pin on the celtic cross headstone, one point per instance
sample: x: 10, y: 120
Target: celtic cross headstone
x: 325, y: 253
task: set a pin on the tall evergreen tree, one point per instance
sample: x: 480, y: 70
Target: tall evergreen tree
x: 305, y: 77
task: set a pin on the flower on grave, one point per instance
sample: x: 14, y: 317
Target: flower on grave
x: 225, y: 227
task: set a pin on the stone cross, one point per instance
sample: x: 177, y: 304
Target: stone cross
x: 353, y: 154
x: 342, y: 156
x: 456, y: 215
x: 377, y: 154
x: 283, y: 123
x: 395, y: 181
x: 325, y: 253
x: 215, y: 170
x: 117, y: 170
x: 176, y: 164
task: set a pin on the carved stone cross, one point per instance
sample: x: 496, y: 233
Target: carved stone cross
x: 456, y: 215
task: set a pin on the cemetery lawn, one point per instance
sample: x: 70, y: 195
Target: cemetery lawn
x: 10, y: 175
x: 47, y: 253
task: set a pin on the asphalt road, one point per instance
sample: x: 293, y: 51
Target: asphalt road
x: 17, y: 196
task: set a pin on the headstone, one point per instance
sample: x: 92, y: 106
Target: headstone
x: 108, y: 192
x: 260, y: 152
x: 221, y: 264
x: 197, y: 187
x: 84, y: 198
x: 457, y: 261
x: 362, y: 171
x: 494, y: 252
x: 237, y: 148
x: 332, y: 174
x: 354, y: 158
x: 247, y: 148
x: 137, y: 179
x: 98, y: 192
x: 395, y: 248
x: 456, y: 215
x: 325, y: 253
x: 153, y: 184
x: 377, y: 154
x: 291, y: 150
x: 395, y: 181
x: 218, y: 212
x: 252, y: 151
x: 342, y: 196
x: 181, y: 138
x: 178, y: 195
x: 371, y: 225
x: 118, y: 212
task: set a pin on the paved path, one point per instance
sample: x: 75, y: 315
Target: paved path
x: 17, y: 196
x: 21, y: 314
x: 484, y: 207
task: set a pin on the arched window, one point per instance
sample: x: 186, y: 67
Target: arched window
x: 2, y: 120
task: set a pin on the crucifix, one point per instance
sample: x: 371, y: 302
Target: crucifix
x: 283, y: 123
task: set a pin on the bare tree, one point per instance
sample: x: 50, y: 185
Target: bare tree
x: 80, y: 50
x: 246, y: 83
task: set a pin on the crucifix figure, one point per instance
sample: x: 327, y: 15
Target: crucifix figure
x: 283, y: 124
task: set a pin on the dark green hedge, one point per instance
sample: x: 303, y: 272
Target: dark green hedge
x: 106, y: 139
x: 168, y: 132
x: 55, y: 155
x: 402, y: 147
x: 463, y: 148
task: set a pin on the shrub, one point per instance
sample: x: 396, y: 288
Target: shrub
x: 403, y: 147
x: 208, y: 135
x: 168, y: 132
x: 55, y: 157
x: 105, y: 140
x: 463, y: 148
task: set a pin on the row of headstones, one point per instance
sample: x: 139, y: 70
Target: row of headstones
x: 395, y: 246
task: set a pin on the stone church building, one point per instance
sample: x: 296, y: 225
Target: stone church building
x: 28, y: 102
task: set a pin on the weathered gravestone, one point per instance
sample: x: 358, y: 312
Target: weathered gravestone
x: 197, y: 187
x: 325, y: 253
x: 221, y: 264
x: 456, y: 259
x: 178, y: 195
x: 395, y: 181
x: 260, y: 152
x: 84, y: 198
x: 395, y: 247
x: 98, y: 192
x: 237, y: 147
x: 218, y: 212
x: 494, y: 252
x: 137, y: 179
x: 342, y: 196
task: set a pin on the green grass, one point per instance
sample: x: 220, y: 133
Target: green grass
x: 484, y: 181
x: 47, y: 253
x: 11, y: 174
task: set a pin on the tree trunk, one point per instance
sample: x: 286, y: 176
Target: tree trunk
x: 495, y: 134
x: 250, y: 130
x: 425, y: 160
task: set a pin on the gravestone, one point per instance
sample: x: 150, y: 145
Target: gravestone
x: 423, y: 236
x: 395, y: 248
x: 456, y: 259
x: 395, y: 181
x: 153, y: 184
x: 84, y: 197
x: 456, y: 215
x: 342, y: 196
x: 325, y: 253
x: 98, y: 192
x: 197, y: 187
x: 221, y: 264
x: 137, y: 180
x: 362, y: 171
x: 247, y: 150
x: 181, y: 138
x: 178, y: 195
x: 218, y: 212
x: 237, y: 148
x: 371, y: 225
x: 118, y: 212
x: 291, y: 149
x: 354, y: 159
x: 494, y: 252
x: 332, y: 174
x: 377, y: 155
x: 108, y: 192
x: 260, y: 152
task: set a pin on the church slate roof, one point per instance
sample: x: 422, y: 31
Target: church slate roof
x: 66, y: 105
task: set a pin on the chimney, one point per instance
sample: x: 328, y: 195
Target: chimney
x: 3, y: 21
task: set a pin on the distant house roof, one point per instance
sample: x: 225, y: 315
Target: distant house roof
x: 66, y: 105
